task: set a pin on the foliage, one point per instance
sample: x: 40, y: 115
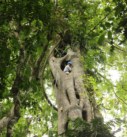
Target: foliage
x: 95, y: 128
x: 28, y: 29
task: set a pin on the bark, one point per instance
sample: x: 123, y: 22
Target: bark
x: 14, y: 118
x: 16, y: 111
x: 71, y: 95
x: 4, y: 121
x: 15, y: 92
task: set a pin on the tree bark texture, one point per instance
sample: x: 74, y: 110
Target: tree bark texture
x: 4, y: 121
x: 72, y: 98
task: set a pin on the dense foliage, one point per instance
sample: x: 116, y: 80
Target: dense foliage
x: 79, y: 128
x: 28, y: 29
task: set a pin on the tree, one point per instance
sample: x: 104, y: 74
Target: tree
x: 73, y: 101
x: 92, y: 34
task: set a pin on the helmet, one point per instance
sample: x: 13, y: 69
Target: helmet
x: 69, y: 62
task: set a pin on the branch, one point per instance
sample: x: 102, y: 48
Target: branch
x: 119, y: 98
x: 42, y: 69
x: 56, y: 3
x: 113, y: 89
x: 39, y: 67
x: 100, y: 21
x: 119, y: 49
x: 118, y: 130
x: 49, y: 102
x: 46, y: 97
x: 36, y: 69
x: 4, y: 121
x: 15, y: 92
x: 45, y: 60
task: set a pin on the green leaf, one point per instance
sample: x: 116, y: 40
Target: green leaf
x: 109, y: 34
x: 108, y: 9
x: 101, y: 39
x: 107, y: 24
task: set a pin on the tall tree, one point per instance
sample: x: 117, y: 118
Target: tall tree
x: 91, y: 34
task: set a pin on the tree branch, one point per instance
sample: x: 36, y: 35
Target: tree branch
x: 116, y: 131
x: 36, y: 69
x: 48, y: 100
x: 4, y: 121
x: 100, y: 22
x: 113, y: 89
x: 42, y: 69
x: 119, y: 49
x: 119, y: 98
x: 15, y: 92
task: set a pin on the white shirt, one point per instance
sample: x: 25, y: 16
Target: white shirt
x: 67, y: 68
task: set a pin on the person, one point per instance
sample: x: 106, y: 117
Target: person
x: 68, y: 67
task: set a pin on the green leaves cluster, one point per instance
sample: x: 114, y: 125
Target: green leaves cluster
x: 95, y: 128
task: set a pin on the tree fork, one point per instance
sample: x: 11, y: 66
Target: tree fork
x: 71, y: 95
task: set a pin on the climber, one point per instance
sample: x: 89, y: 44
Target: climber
x: 68, y: 67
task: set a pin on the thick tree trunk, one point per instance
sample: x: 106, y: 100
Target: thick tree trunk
x: 72, y: 98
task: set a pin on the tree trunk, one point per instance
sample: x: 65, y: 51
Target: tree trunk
x: 72, y: 98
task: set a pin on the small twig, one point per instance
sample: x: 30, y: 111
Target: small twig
x: 100, y: 22
x: 119, y: 98
x: 113, y: 89
x: 120, y: 49
x: 116, y: 131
